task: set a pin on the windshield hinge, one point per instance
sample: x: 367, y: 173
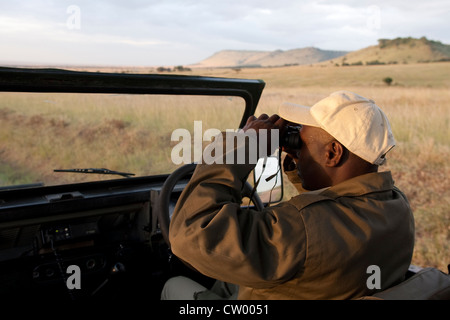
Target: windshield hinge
x: 64, y: 196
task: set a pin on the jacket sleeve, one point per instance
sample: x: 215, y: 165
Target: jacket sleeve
x: 214, y: 234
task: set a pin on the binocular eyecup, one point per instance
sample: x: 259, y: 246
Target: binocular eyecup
x: 291, y: 138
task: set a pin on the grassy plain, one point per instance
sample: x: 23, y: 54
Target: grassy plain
x: 40, y: 132
x: 417, y: 104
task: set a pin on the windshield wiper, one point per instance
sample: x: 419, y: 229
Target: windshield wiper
x: 96, y: 171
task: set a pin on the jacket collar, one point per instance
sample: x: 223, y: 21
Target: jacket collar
x: 360, y: 185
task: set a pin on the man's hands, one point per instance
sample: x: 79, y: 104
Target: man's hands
x: 269, y: 123
x: 266, y: 122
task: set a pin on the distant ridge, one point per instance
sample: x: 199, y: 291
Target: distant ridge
x: 387, y: 51
x: 242, y: 58
x: 399, y: 50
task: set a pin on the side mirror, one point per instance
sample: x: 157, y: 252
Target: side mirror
x: 268, y: 179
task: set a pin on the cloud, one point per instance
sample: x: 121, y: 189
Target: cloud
x: 186, y: 31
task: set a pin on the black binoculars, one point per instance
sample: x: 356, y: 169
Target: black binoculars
x: 291, y: 138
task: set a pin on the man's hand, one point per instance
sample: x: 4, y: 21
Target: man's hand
x: 266, y: 122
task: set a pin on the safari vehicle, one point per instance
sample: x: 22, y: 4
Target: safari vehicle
x: 88, y: 179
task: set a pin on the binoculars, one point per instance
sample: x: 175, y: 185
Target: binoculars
x: 291, y: 138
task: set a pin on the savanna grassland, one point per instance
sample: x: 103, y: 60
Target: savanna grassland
x: 41, y: 133
x: 418, y: 106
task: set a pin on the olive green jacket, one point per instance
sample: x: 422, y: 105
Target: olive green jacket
x: 318, y: 245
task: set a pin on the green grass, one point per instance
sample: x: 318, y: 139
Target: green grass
x: 14, y: 176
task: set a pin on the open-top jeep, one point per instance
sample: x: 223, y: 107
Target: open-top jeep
x: 66, y: 209
x: 90, y: 171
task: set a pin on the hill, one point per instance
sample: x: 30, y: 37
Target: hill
x: 399, y: 50
x: 387, y: 51
x: 242, y: 58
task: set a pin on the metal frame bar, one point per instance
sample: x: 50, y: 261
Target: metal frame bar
x: 57, y: 80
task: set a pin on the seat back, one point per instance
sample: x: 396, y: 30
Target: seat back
x: 426, y: 284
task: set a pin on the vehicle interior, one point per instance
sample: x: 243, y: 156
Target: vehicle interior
x: 89, y: 178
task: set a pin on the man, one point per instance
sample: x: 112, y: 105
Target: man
x: 321, y: 244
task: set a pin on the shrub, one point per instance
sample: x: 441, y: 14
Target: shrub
x: 388, y: 80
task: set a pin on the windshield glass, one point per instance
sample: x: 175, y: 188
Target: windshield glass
x: 43, y: 132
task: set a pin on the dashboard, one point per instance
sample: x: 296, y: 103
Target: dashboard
x: 107, y: 230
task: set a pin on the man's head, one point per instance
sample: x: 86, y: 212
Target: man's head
x: 343, y: 135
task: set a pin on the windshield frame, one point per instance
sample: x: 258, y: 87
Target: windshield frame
x: 65, y: 81
x: 26, y: 80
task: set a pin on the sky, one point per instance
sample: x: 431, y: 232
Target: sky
x: 183, y: 32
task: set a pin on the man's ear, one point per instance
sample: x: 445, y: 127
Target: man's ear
x: 335, y: 154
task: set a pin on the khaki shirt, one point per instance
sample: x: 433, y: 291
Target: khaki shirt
x: 315, y: 246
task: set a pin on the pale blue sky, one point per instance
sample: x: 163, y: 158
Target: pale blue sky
x: 182, y: 32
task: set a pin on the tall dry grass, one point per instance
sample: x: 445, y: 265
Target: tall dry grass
x: 120, y: 132
x: 418, y: 106
x: 419, y: 163
x: 40, y: 132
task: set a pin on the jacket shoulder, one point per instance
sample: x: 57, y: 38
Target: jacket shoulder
x: 305, y: 199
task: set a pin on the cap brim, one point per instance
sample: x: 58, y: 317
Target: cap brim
x: 297, y: 113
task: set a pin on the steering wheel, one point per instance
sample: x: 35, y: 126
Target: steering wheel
x: 167, y: 189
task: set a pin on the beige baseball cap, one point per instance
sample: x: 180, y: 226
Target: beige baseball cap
x: 356, y: 122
